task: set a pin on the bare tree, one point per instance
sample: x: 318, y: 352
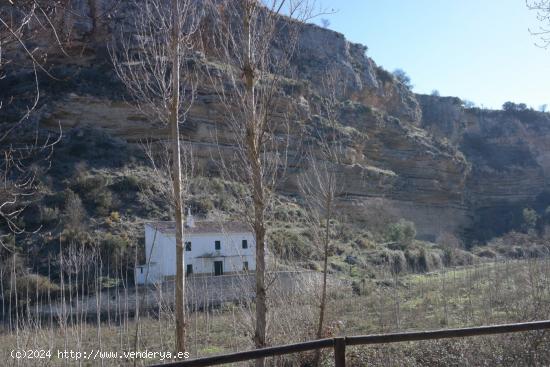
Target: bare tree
x: 321, y: 184
x: 26, y: 151
x: 542, y: 8
x: 256, y: 41
x: 154, y: 63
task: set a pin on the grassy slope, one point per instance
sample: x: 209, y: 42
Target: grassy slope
x: 484, y: 294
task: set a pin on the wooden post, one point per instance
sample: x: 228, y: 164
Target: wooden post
x: 339, y: 352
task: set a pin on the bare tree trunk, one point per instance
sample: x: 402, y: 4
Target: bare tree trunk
x: 176, y: 180
x: 261, y: 297
x: 322, y: 185
x: 254, y: 152
x: 323, y: 301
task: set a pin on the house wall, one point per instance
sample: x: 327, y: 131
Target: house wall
x: 153, y: 269
x: 203, y: 253
x: 144, y: 274
x: 161, y: 253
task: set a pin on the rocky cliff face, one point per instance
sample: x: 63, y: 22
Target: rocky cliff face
x: 509, y: 155
x: 435, y: 163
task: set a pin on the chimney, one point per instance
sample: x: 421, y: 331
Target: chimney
x: 189, y: 222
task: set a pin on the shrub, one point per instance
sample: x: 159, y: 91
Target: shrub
x: 57, y: 199
x: 423, y: 260
x: 448, y: 240
x: 536, y: 251
x: 403, y: 231
x: 457, y: 257
x: 74, y: 213
x: 516, y: 252
x: 49, y: 215
x: 223, y: 203
x: 363, y: 243
x: 290, y: 244
x: 530, y: 218
x: 76, y: 236
x: 402, y: 76
x: 397, y: 261
x: 514, y: 107
x: 102, y: 199
x: 33, y: 285
x: 201, y: 205
x: 487, y: 253
x: 113, y: 247
x: 115, y: 217
x: 95, y: 192
x: 83, y: 183
x: 384, y: 75
x: 126, y: 184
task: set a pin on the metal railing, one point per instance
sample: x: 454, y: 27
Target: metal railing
x: 339, y: 344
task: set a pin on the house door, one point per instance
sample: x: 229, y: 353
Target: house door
x: 218, y: 267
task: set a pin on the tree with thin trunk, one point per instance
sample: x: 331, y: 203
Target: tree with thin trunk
x: 154, y: 62
x: 320, y: 184
x: 25, y: 150
x: 255, y: 41
x: 542, y: 9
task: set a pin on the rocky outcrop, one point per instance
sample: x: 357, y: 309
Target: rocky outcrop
x: 435, y: 162
x: 509, y: 152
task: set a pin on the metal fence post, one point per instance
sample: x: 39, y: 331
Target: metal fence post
x: 339, y: 352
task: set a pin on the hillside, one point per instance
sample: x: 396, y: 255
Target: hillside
x: 453, y: 171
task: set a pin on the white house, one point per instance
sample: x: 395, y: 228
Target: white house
x: 211, y: 248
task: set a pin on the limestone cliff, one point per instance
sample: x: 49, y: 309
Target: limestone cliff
x: 509, y: 155
x: 435, y: 162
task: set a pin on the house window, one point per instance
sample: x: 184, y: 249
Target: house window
x: 245, y: 265
x: 189, y: 269
x: 188, y: 246
x: 217, y: 245
x: 141, y: 270
x: 245, y: 244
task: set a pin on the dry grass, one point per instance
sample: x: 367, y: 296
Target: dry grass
x: 485, y: 294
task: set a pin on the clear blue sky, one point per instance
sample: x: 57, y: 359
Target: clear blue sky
x: 480, y: 50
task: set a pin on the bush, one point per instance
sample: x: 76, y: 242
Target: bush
x: 74, y: 212
x: 487, y: 253
x: 95, y: 192
x: 201, y: 205
x: 126, y: 184
x: 536, y: 251
x: 422, y: 260
x: 448, y: 240
x: 57, y: 199
x: 403, y: 231
x: 49, y: 215
x: 513, y: 107
x: 289, y: 244
x: 102, y: 199
x: 402, y: 76
x: 383, y: 75
x: 397, y: 261
x: 516, y: 252
x: 530, y: 218
x: 76, y: 236
x: 113, y: 247
x: 114, y: 217
x: 457, y: 257
x: 363, y: 243
x: 33, y: 285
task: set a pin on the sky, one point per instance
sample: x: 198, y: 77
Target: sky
x: 478, y: 50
